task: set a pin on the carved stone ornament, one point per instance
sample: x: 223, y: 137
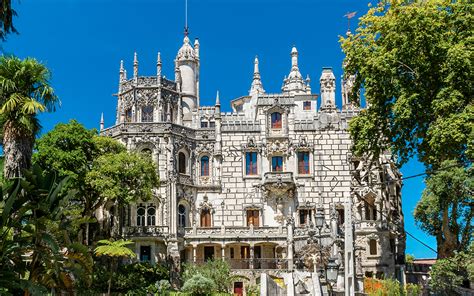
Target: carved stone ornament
x: 205, y: 204
x: 278, y: 146
x: 146, y: 97
x: 205, y: 148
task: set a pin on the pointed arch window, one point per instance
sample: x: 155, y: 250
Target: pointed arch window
x: 205, y: 166
x: 147, y: 113
x: 181, y: 216
x: 128, y: 115
x: 141, y: 216
x: 276, y: 120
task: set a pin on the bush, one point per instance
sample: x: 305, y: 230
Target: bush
x: 389, y: 287
x: 413, y: 290
x: 216, y: 270
x: 199, y: 285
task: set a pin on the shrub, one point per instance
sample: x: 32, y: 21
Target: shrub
x: 413, y: 290
x: 199, y: 285
x: 216, y: 270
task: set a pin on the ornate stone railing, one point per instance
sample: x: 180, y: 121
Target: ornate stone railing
x: 185, y: 179
x: 371, y: 225
x: 233, y: 232
x: 148, y: 127
x: 276, y: 177
x: 145, y: 231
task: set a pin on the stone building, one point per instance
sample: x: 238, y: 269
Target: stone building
x: 245, y: 186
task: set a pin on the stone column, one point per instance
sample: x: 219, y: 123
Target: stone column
x: 349, y: 280
x: 223, y: 251
x: 194, y: 253
x: 251, y: 257
x: 289, y: 242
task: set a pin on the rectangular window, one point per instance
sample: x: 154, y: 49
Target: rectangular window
x: 303, y: 163
x: 205, y: 166
x: 203, y: 124
x: 373, y: 247
x: 212, y: 124
x: 251, y: 163
x: 253, y: 217
x: 340, y: 216
x: 145, y: 253
x: 276, y: 120
x: 305, y: 217
x: 277, y: 164
x: 307, y: 105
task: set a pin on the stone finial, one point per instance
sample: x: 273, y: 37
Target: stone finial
x: 196, y: 48
x: 101, y: 122
x: 295, y: 83
x: 158, y: 65
x: 135, y: 65
x: 218, y: 101
x: 123, y: 73
x: 257, y: 86
x: 294, y: 58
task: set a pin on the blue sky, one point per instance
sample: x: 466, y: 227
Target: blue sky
x: 83, y: 41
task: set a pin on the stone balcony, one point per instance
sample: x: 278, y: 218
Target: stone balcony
x: 146, y: 231
x: 279, y: 184
x: 236, y: 233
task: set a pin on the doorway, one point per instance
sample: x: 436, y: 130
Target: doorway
x: 238, y: 289
x: 208, y: 253
x: 145, y: 253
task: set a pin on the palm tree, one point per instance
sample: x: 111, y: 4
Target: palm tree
x: 6, y: 18
x: 24, y: 92
x: 115, y: 250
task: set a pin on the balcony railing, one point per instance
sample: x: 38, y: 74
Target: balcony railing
x: 145, y: 231
x: 236, y: 232
x: 256, y: 263
x: 277, y: 177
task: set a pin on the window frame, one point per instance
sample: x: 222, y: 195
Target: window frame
x: 309, y: 171
x: 307, y: 217
x: 277, y: 169
x: 147, y: 116
x: 275, y: 123
x: 207, y: 222
x: 254, y: 217
x: 251, y: 170
x: 204, y: 171
x: 307, y: 106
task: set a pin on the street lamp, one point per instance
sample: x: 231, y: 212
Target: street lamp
x: 319, y: 221
x: 332, y: 271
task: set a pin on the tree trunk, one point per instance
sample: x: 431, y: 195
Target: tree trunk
x: 17, y: 148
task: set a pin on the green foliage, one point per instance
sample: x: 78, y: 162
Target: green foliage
x: 252, y: 290
x: 413, y: 59
x: 29, y: 206
x: 413, y: 290
x: 6, y: 19
x: 450, y: 273
x: 116, y: 248
x: 132, y: 278
x: 445, y: 210
x: 25, y: 91
x: 216, y: 270
x: 199, y: 285
x: 409, y: 259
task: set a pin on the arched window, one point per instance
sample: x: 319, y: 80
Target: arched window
x: 141, y: 216
x: 373, y: 247
x: 151, y: 217
x: 182, y: 163
x: 206, y: 217
x: 128, y: 115
x: 205, y: 166
x: 147, y: 113
x: 276, y: 120
x: 181, y: 216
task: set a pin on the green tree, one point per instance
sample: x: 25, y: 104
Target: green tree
x: 199, y: 285
x: 6, y: 19
x: 413, y: 62
x: 100, y: 168
x: 25, y: 91
x: 218, y: 271
x: 445, y: 209
x: 114, y: 250
x: 449, y: 273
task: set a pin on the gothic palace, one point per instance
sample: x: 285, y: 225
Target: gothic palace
x: 248, y: 186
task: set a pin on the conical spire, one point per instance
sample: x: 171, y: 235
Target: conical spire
x: 257, y: 86
x: 123, y: 73
x: 295, y: 83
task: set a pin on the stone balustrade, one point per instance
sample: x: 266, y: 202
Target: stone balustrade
x: 234, y: 232
x: 146, y: 231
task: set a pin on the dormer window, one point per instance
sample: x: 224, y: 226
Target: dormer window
x: 276, y: 120
x: 147, y: 113
x: 277, y: 164
x: 307, y: 105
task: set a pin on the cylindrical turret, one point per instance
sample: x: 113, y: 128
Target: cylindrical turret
x: 188, y: 64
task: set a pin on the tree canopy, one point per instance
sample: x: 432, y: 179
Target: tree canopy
x: 412, y: 61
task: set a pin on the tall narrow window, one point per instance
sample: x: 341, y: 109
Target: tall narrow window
x: 307, y: 105
x: 277, y: 164
x: 151, y: 216
x: 253, y: 217
x: 340, y: 216
x: 205, y: 166
x: 181, y: 216
x: 182, y: 163
x: 251, y: 163
x: 147, y: 113
x: 276, y: 120
x: 370, y: 211
x: 303, y: 163
x: 305, y: 217
x: 128, y: 115
x: 373, y: 247
x: 141, y: 216
x: 205, y: 218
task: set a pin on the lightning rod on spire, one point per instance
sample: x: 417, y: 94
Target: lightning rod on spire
x: 186, y: 29
x: 349, y: 15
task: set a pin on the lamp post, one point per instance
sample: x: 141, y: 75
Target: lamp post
x: 331, y: 273
x: 319, y: 221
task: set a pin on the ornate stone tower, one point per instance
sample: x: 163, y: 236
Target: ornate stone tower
x: 187, y: 69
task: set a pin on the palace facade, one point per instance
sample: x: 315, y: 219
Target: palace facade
x: 251, y: 186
